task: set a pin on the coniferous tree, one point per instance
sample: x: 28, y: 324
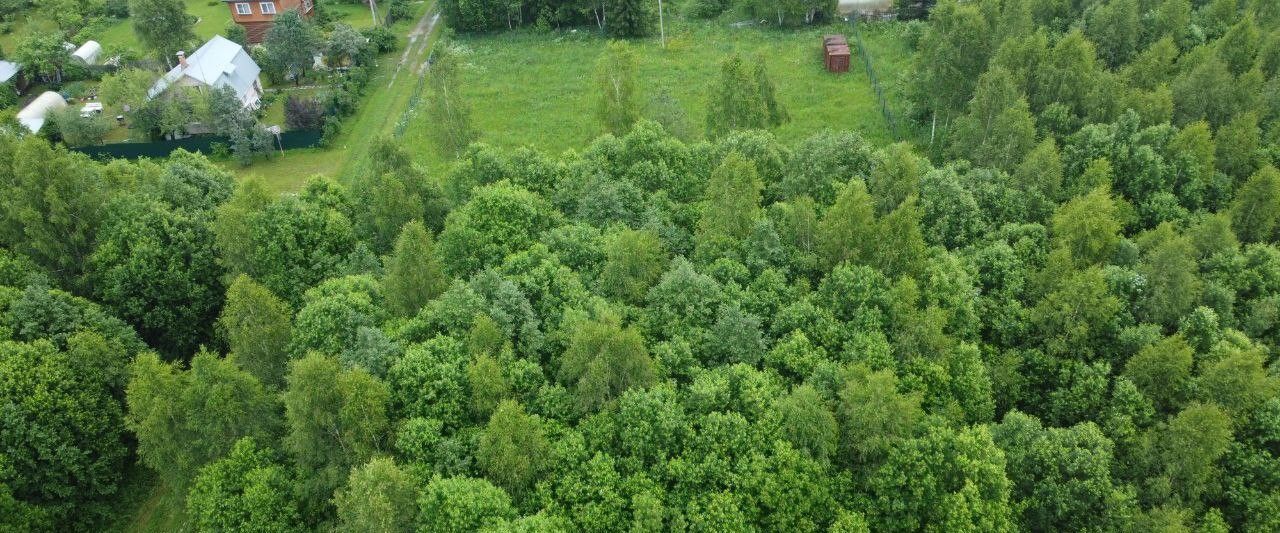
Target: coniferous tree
x: 629, y: 18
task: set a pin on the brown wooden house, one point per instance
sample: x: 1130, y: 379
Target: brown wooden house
x: 256, y: 15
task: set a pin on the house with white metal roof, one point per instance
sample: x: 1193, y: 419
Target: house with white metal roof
x: 218, y: 63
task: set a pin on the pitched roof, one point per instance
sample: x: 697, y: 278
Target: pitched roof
x: 217, y: 63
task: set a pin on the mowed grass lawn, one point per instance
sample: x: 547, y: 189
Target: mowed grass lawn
x: 538, y: 89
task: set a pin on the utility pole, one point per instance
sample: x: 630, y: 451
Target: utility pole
x: 662, y: 28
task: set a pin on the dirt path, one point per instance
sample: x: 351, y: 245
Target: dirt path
x: 419, y: 44
x: 385, y: 104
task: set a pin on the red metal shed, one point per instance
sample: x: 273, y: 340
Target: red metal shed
x: 835, y: 53
x: 837, y: 59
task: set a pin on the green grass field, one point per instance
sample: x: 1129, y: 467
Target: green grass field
x: 537, y: 89
x: 212, y: 17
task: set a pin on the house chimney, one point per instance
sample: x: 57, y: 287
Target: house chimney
x: 182, y: 59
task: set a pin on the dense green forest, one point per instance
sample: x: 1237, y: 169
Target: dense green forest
x: 1058, y: 309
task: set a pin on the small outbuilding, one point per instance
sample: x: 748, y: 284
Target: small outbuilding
x: 838, y: 58
x: 835, y: 53
x: 33, y: 116
x: 88, y: 52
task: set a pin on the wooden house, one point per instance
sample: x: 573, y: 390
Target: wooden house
x: 256, y: 16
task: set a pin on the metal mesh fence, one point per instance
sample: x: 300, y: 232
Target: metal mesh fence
x: 865, y: 54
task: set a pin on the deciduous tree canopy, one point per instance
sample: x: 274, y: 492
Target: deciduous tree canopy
x: 1052, y: 303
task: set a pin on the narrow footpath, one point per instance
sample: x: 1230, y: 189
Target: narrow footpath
x: 386, y: 102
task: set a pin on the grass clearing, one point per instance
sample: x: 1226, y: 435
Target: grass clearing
x: 538, y: 89
x: 288, y: 172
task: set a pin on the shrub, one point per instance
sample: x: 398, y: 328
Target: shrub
x: 302, y: 113
x: 74, y: 90
x: 330, y: 130
x: 118, y: 8
x: 381, y: 38
x: 8, y: 95
x: 76, y: 130
x: 268, y: 99
x: 398, y: 10
x: 220, y: 151
x: 707, y: 9
x: 75, y: 70
x: 236, y: 33
x: 344, y: 94
x: 339, y: 101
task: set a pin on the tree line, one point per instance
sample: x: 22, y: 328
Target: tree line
x: 623, y: 18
